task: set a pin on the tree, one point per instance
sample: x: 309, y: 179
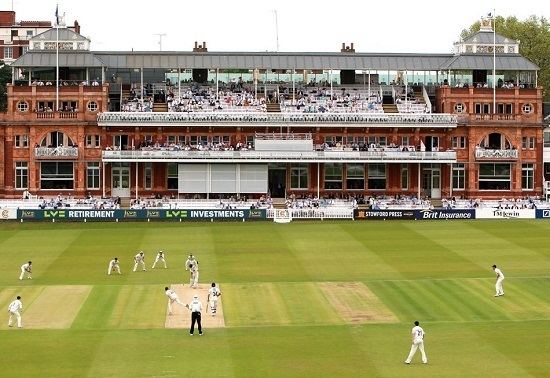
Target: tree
x: 5, y: 77
x: 534, y: 37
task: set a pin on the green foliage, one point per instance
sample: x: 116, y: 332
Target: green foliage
x: 534, y: 36
x: 5, y: 77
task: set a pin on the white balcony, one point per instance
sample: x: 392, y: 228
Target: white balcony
x: 252, y: 156
x: 253, y: 119
x: 488, y: 154
x: 56, y: 152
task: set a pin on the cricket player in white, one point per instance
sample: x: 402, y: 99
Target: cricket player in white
x: 417, y: 343
x: 139, y: 259
x: 160, y: 257
x: 498, y: 285
x: 213, y: 295
x: 113, y: 266
x: 13, y: 310
x: 194, y: 280
x: 172, y: 297
x: 26, y: 270
x: 191, y: 262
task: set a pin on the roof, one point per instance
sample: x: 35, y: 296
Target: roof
x: 508, y: 62
x: 486, y: 37
x: 40, y: 58
x: 65, y: 34
x: 274, y: 60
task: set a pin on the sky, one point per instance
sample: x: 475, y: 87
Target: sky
x: 430, y: 26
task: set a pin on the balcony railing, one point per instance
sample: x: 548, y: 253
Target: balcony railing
x: 281, y: 156
x: 488, y: 154
x: 56, y: 152
x: 254, y: 119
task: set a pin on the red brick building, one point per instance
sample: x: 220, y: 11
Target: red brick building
x: 215, y: 124
x: 15, y: 35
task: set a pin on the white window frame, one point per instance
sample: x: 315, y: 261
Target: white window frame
x: 93, y: 171
x: 527, y: 176
x: 92, y: 106
x: 21, y: 175
x: 148, y: 176
x: 299, y: 171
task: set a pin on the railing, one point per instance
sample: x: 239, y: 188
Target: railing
x: 315, y: 213
x: 482, y: 153
x: 283, y: 136
x: 313, y: 156
x: 56, y: 152
x: 426, y: 99
x: 117, y: 118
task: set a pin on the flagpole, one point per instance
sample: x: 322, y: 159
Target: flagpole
x: 57, y: 60
x: 494, y: 64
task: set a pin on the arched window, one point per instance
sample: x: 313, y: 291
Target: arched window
x: 495, y: 141
x: 56, y: 139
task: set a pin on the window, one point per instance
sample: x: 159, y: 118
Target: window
x: 459, y: 176
x: 528, y: 143
x: 24, y: 50
x: 527, y: 176
x: 482, y: 108
x: 93, y: 141
x: 333, y: 176
x: 527, y: 108
x: 14, y: 33
x: 8, y: 52
x: 404, y: 177
x: 21, y: 175
x: 56, y: 175
x: 459, y: 142
x: 148, y: 138
x: 199, y: 140
x: 30, y: 33
x: 505, y: 108
x: 405, y: 141
x: 172, y: 176
x: 221, y: 139
x: 36, y: 46
x: 494, y: 176
x: 355, y: 176
x: 21, y: 141
x: 92, y: 175
x: 69, y: 106
x: 148, y: 176
x: 460, y: 108
x: 92, y: 106
x: 377, y: 176
x: 80, y: 46
x: 377, y: 140
x: 547, y: 139
x: 45, y: 106
x: 22, y: 106
x: 298, y: 176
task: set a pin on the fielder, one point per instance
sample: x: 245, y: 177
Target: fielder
x: 113, y: 266
x: 213, y: 296
x: 26, y: 270
x: 500, y: 279
x: 172, y: 297
x: 13, y: 310
x: 194, y: 277
x: 160, y: 257
x: 191, y: 262
x: 139, y: 259
x: 417, y: 343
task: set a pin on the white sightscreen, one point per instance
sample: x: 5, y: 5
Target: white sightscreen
x: 192, y: 178
x: 223, y: 178
x: 253, y: 178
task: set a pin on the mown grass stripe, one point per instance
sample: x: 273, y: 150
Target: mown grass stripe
x: 96, y: 311
x: 139, y: 306
x: 306, y: 304
x: 401, y: 301
x: 436, y: 298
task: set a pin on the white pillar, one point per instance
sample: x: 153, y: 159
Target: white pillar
x: 217, y: 85
x: 318, y: 174
x: 137, y: 182
x: 103, y: 178
x: 141, y: 81
x: 179, y: 83
x: 451, y: 180
x: 419, y: 174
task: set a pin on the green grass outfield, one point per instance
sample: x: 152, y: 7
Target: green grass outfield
x: 309, y: 299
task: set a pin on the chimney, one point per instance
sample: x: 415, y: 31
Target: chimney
x: 200, y: 48
x: 76, y: 27
x: 347, y: 49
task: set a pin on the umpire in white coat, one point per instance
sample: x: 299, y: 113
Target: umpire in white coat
x: 195, y: 307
